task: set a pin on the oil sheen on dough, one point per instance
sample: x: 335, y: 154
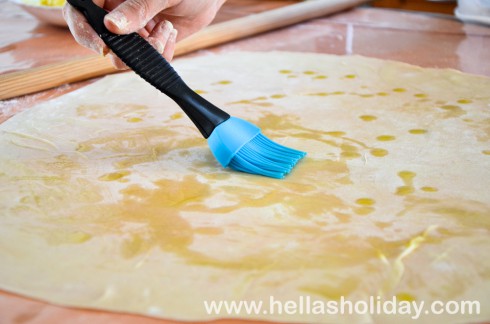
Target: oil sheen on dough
x: 110, y: 199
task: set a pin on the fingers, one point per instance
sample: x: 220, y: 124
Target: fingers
x: 164, y: 38
x: 82, y: 31
x: 87, y: 37
x: 168, y: 52
x: 160, y: 34
x: 133, y: 15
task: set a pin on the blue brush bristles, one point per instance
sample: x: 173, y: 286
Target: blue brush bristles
x: 265, y: 157
x: 240, y: 145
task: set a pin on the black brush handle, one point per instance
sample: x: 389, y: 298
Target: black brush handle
x: 143, y: 59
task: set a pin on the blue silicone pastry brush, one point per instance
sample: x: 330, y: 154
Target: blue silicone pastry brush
x: 234, y: 142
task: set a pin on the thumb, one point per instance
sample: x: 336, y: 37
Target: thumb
x: 132, y: 15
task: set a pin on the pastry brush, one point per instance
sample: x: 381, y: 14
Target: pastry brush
x: 234, y: 142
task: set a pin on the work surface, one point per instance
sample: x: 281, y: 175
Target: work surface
x: 428, y: 41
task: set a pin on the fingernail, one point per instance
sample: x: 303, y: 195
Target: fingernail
x: 168, y: 26
x: 98, y: 49
x: 118, y: 19
x: 165, y: 29
x: 173, y: 35
x: 158, y: 45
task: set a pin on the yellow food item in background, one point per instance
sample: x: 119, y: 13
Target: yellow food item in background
x: 52, y: 3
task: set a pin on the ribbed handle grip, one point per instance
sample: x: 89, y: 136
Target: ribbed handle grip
x: 143, y: 59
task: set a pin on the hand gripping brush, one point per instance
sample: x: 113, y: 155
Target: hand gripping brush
x: 234, y: 142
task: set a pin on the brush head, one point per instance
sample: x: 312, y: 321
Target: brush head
x: 240, y: 145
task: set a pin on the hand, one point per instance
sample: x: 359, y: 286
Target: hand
x: 161, y: 22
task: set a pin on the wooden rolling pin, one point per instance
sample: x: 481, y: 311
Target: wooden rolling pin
x: 53, y: 75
